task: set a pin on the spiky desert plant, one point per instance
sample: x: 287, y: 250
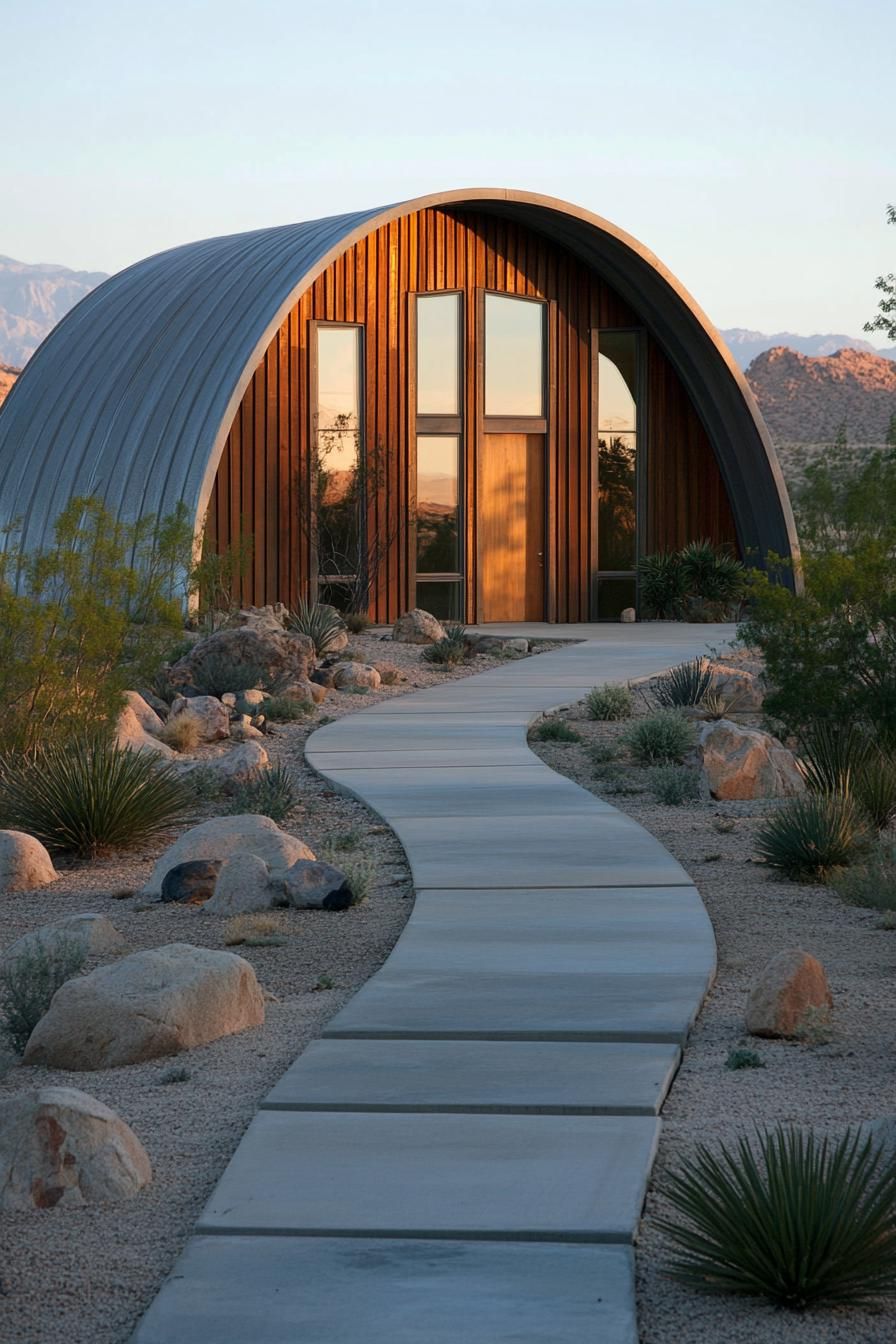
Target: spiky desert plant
x: 29, y: 981
x: 661, y: 585
x: 451, y: 650
x: 217, y: 673
x: 831, y: 754
x: 321, y: 623
x: 810, y: 837
x: 554, y: 730
x: 359, y: 871
x: 711, y: 574
x: 872, y: 882
x: 874, y: 787
x: 674, y: 784
x: 87, y: 794
x: 609, y: 703
x: 795, y: 1218
x: 660, y: 739
x: 272, y: 793
x: 685, y: 685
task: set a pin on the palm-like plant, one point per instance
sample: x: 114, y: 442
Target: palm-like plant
x: 662, y: 586
x: 452, y: 649
x: 812, y: 836
x: 321, y: 623
x: 711, y: 574
x: 797, y: 1219
x: 685, y: 685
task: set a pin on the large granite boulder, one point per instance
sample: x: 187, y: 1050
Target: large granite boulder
x: 59, y: 1146
x: 96, y: 933
x: 130, y: 735
x: 792, y: 984
x: 152, y: 1003
x: 144, y: 713
x: 24, y: 863
x: 740, y: 762
x: 221, y: 837
x: 316, y: 885
x: 210, y: 715
x: 740, y: 689
x: 278, y: 656
x: 418, y: 627
x: 356, y: 676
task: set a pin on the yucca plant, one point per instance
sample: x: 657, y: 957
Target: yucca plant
x: 875, y: 789
x: 321, y: 623
x: 660, y: 739
x: 86, y: 794
x: 795, y: 1218
x: 609, y: 703
x: 687, y: 684
x: 661, y: 586
x: 272, y: 793
x: 831, y: 754
x: 450, y: 650
x: 812, y: 836
x: 712, y: 575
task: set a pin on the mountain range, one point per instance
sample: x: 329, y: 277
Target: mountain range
x: 746, y: 345
x: 32, y: 300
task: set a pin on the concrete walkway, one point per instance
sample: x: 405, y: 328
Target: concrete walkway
x: 463, y: 1155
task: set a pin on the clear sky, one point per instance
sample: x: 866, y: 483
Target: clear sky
x: 751, y: 145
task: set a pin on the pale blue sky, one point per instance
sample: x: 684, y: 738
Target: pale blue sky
x: 750, y: 145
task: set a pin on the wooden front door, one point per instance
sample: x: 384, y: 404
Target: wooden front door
x: 510, y: 516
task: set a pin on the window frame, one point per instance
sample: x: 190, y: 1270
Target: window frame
x: 641, y: 439
x: 512, y: 424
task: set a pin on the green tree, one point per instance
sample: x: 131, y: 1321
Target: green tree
x: 885, y: 320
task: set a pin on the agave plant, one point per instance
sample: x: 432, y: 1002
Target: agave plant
x: 796, y: 1218
x: 450, y: 650
x: 662, y: 586
x: 687, y: 684
x: 321, y: 623
x: 86, y: 794
x: 831, y: 754
x: 712, y: 574
x: 812, y: 836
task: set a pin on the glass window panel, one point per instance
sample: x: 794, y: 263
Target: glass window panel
x: 616, y: 502
x: 613, y: 596
x: 438, y: 354
x: 438, y: 504
x: 338, y: 377
x: 514, y: 356
x: 442, y: 599
x: 617, y: 381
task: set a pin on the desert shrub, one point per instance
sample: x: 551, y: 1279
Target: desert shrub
x: 356, y: 622
x: 29, y: 981
x: 321, y: 623
x: 85, y: 794
x: 795, y: 1218
x: 272, y: 793
x: 609, y: 703
x: 344, y: 840
x: 660, y: 739
x: 602, y: 753
x: 875, y: 788
x: 661, y: 585
x: 176, y: 1074
x: 810, y: 837
x: 872, y: 882
x: 554, y: 730
x: 360, y: 873
x: 712, y: 576
x: 743, y: 1058
x: 687, y: 684
x: 254, y: 930
x: 181, y: 732
x: 843, y: 758
x: 204, y: 783
x: 451, y: 650
x: 217, y: 674
x: 674, y: 784
x: 284, y: 709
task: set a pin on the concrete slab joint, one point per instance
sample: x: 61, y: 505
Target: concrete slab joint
x: 464, y: 1154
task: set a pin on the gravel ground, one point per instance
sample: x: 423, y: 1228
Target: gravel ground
x: 849, y: 1078
x: 85, y: 1276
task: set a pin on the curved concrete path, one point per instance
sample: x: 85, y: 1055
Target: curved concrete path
x: 464, y: 1154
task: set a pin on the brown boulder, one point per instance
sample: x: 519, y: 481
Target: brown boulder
x: 792, y: 983
x: 418, y: 627
x: 741, y: 762
x: 280, y: 656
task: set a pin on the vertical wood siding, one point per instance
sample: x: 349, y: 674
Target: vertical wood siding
x: 262, y: 483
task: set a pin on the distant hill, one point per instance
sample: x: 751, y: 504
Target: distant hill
x: 746, y: 345
x: 8, y: 375
x: 805, y: 399
x: 32, y: 300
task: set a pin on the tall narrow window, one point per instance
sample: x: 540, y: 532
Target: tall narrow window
x: 617, y: 476
x: 439, y: 437
x: 338, y: 483
x: 514, y: 356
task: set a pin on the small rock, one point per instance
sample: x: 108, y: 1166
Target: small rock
x: 249, y: 702
x: 222, y: 837
x: 59, y: 1146
x: 191, y: 883
x: 243, y: 886
x: 418, y: 627
x: 25, y: 864
x: 317, y: 693
x: 356, y: 674
x: 229, y: 699
x: 315, y: 885
x: 791, y: 983
x: 130, y: 735
x: 298, y: 690
x: 271, y: 618
x: 244, y: 731
x: 97, y: 933
x: 744, y: 762
x: 211, y: 716
x: 144, y: 713
x: 499, y: 644
x: 244, y: 762
x: 627, y: 615
x: 149, y: 1004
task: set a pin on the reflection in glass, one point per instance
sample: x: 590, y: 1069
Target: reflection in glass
x: 617, y: 373
x: 514, y: 356
x: 337, y: 460
x: 438, y: 547
x: 440, y: 599
x: 616, y: 502
x: 438, y: 354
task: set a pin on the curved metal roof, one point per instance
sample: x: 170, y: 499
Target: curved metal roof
x: 132, y: 395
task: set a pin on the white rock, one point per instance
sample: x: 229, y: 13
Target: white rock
x: 98, y: 935
x: 59, y: 1146
x: 146, y: 716
x: 211, y: 716
x: 245, y: 731
x: 152, y: 1003
x: 741, y: 762
x: 243, y: 886
x: 627, y: 615
x: 222, y: 837
x: 356, y: 674
x: 418, y: 627
x: 24, y: 863
x: 130, y: 735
